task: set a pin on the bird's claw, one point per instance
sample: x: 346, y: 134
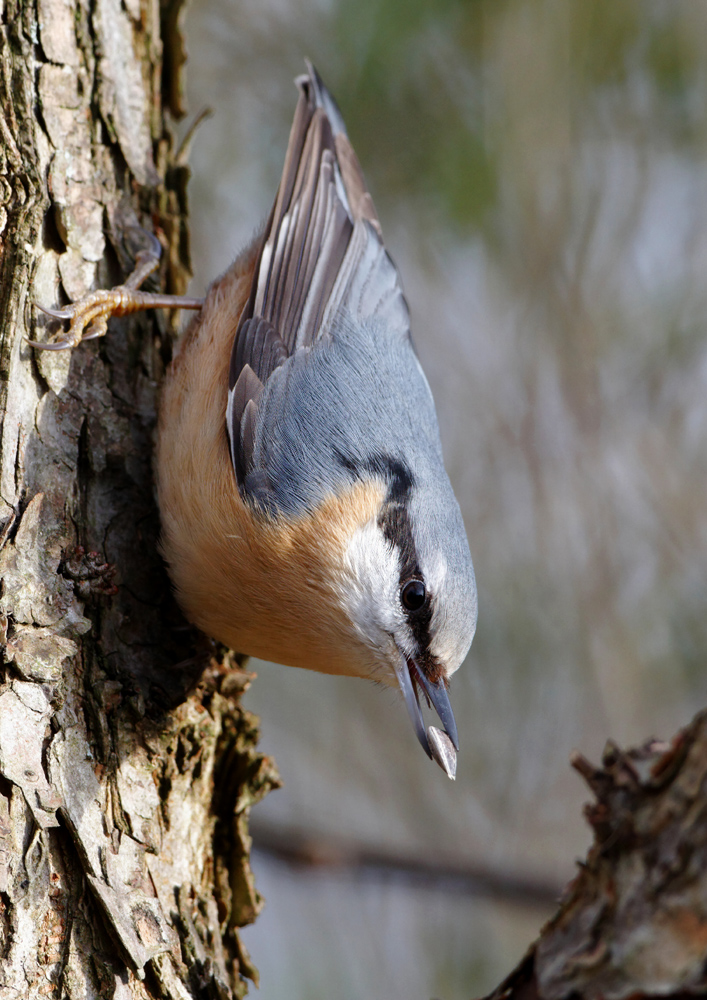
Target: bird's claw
x: 52, y: 345
x: 66, y: 313
x: 89, y: 318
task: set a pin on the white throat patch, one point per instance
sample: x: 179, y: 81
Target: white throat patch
x: 370, y: 591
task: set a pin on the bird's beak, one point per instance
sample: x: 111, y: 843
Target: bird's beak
x: 438, y: 746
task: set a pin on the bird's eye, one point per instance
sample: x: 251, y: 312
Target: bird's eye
x: 413, y: 595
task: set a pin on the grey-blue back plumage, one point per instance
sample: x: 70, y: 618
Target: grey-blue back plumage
x: 350, y: 406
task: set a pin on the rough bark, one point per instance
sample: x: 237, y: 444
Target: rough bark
x: 124, y: 788
x: 633, y: 923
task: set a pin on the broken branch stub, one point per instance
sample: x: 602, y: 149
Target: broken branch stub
x: 633, y: 923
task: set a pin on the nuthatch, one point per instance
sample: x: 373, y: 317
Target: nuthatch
x: 307, y: 517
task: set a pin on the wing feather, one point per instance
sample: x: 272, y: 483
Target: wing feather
x: 321, y: 252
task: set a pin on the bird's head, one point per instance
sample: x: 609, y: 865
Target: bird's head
x: 406, y: 585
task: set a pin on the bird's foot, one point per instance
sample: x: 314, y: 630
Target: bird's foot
x: 89, y: 316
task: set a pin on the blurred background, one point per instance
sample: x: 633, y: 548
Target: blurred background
x: 539, y: 170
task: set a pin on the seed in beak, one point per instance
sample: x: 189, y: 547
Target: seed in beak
x: 442, y: 751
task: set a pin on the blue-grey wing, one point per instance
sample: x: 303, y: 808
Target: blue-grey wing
x: 321, y: 258
x: 355, y: 406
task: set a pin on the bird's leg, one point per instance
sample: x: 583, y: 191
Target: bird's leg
x: 89, y: 316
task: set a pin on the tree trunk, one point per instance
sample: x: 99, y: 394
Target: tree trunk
x: 124, y: 800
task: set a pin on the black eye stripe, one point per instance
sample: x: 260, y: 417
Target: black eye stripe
x: 396, y: 525
x: 394, y: 521
x: 395, y: 472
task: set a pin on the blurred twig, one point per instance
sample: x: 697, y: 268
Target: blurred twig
x: 313, y: 849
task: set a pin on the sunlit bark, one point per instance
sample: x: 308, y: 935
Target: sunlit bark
x: 123, y: 802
